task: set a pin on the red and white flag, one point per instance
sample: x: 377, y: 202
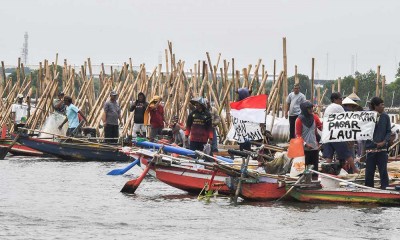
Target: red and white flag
x: 250, y: 109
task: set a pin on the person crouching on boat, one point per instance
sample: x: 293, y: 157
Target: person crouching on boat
x: 199, y: 125
x: 306, y: 127
x: 377, y: 147
x: 178, y: 132
x: 72, y: 116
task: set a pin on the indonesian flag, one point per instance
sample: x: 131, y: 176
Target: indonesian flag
x: 250, y: 109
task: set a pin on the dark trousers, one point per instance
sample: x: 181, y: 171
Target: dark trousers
x: 374, y: 159
x: 311, y: 158
x: 111, y: 131
x: 292, y: 122
x: 196, y: 146
x: 70, y: 132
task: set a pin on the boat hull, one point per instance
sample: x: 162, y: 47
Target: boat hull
x: 346, y: 196
x: 187, y: 177
x: 262, y: 191
x: 73, y: 151
x: 19, y: 149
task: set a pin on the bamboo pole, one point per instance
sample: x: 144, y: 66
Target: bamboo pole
x: 312, y: 80
x: 378, y: 78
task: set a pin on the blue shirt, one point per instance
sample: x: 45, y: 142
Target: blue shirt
x: 72, y: 115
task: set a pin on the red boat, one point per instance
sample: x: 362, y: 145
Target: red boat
x: 19, y: 149
x: 266, y: 190
x: 184, y: 175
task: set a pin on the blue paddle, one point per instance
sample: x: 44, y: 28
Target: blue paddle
x: 123, y: 170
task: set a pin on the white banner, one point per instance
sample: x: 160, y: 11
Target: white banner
x: 348, y: 126
x: 241, y: 131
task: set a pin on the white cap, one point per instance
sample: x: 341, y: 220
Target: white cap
x: 348, y: 101
x: 20, y: 95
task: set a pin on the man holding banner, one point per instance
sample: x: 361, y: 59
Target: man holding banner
x: 377, y: 147
x: 339, y: 146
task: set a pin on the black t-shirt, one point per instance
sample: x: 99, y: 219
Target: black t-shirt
x: 139, y: 109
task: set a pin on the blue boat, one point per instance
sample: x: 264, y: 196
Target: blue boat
x: 76, y: 151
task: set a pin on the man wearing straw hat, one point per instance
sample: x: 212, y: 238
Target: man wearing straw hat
x: 293, y: 100
x: 340, y: 148
x: 111, y: 114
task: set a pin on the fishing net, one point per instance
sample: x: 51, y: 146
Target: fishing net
x: 280, y: 165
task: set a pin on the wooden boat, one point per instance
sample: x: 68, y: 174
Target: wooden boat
x: 75, y: 151
x: 262, y: 189
x: 184, y: 175
x: 19, y: 149
x: 347, y: 193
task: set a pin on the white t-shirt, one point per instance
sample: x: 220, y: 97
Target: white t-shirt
x: 333, y: 108
x: 21, y: 112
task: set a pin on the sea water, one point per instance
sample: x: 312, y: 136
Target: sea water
x: 54, y: 199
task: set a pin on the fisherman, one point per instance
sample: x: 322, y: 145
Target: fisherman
x: 139, y: 106
x: 111, y: 114
x: 58, y: 104
x: 178, y: 132
x: 293, y: 100
x: 72, y: 113
x: 156, y: 112
x: 19, y: 112
x: 342, y: 150
x: 216, y: 120
x: 199, y: 125
x: 307, y: 124
x: 377, y: 147
x: 243, y: 94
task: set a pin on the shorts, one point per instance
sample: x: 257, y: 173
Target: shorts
x: 341, y: 148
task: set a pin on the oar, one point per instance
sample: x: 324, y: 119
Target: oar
x: 291, y: 188
x: 131, y: 185
x: 239, y: 186
x: 123, y: 170
x: 5, y: 150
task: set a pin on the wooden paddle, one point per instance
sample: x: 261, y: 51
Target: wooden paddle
x: 132, y: 185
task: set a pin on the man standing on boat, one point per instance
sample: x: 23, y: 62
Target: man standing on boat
x: 341, y: 148
x: 156, y: 112
x: 19, y: 112
x: 293, y: 100
x: 139, y: 106
x: 216, y: 119
x: 377, y: 147
x: 111, y: 114
x: 199, y: 125
x: 72, y: 117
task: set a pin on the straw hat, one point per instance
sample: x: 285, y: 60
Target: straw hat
x: 354, y: 97
x: 348, y: 101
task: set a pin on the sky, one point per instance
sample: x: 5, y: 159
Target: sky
x: 342, y: 35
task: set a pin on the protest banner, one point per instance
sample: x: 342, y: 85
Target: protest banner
x: 242, y: 131
x: 348, y: 126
